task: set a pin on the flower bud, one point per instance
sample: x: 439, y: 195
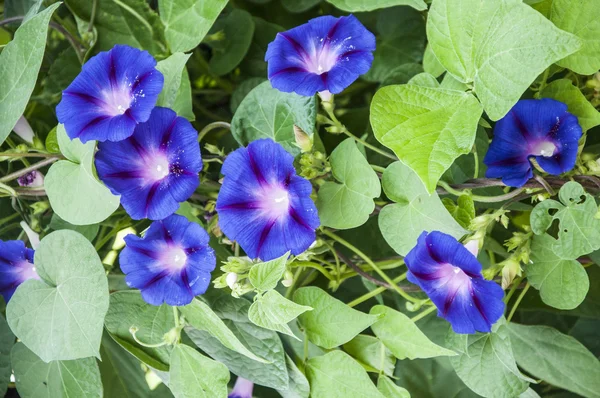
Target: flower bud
x: 24, y: 130
x: 33, y: 179
x: 303, y: 140
x: 231, y: 279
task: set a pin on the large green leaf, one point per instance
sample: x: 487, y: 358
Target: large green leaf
x: 264, y: 343
x: 337, y: 375
x: 188, y: 21
x: 331, y: 323
x: 427, y: 128
x: 55, y: 379
x: 176, y: 93
x: 127, y: 309
x: 562, y: 282
x: 579, y: 18
x: 348, y: 204
x: 130, y: 22
x: 370, y: 352
x: 299, y: 5
x: 192, y: 375
x: 298, y: 384
x: 273, y: 311
x: 499, y: 46
x: 486, y: 363
x: 74, y: 192
x: 389, y: 389
x: 7, y: 340
x: 556, y: 358
x: 563, y: 90
x: 579, y: 229
x: 403, y: 337
x: 416, y: 211
x: 238, y: 28
x: 264, y: 33
x: 265, y: 275
x: 60, y: 317
x: 269, y: 113
x: 20, y: 63
x: 89, y: 231
x: 370, y: 5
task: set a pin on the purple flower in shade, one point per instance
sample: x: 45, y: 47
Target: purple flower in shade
x: 242, y: 389
x: 156, y: 168
x: 263, y: 204
x: 171, y: 263
x: 451, y: 276
x: 16, y: 266
x: 115, y: 91
x: 33, y: 179
x: 542, y: 129
x: 325, y: 54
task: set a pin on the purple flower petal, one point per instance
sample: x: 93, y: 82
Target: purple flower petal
x: 263, y: 204
x: 171, y: 263
x: 16, y: 266
x: 242, y: 389
x: 451, y: 276
x: 156, y: 168
x: 533, y: 128
x: 325, y: 54
x: 115, y: 91
x: 33, y: 179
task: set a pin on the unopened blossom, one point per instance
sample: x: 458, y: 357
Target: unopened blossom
x: 33, y: 179
x: 23, y: 129
x: 171, y: 264
x: 263, y: 204
x: 16, y: 266
x: 156, y: 168
x: 451, y: 276
x: 115, y: 91
x: 242, y: 389
x: 325, y: 54
x: 540, y: 129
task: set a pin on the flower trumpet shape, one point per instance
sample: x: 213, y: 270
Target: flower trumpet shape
x: 16, y: 266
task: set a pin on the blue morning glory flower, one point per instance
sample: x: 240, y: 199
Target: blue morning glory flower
x: 16, y: 266
x: 263, y: 204
x: 115, y: 91
x: 156, y: 168
x: 451, y: 276
x: 242, y: 389
x: 171, y: 263
x: 325, y: 54
x: 540, y: 129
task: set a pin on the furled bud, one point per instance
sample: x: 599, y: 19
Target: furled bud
x: 33, y: 179
x: 24, y: 130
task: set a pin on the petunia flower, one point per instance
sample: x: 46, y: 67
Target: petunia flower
x: 16, y: 266
x: 242, y: 389
x: 156, y: 168
x: 33, y: 179
x: 540, y: 129
x: 325, y: 54
x: 263, y: 204
x: 115, y: 91
x: 451, y: 276
x: 171, y: 263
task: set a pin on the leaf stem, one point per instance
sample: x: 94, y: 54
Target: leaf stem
x: 516, y: 305
x: 374, y: 292
x: 212, y: 126
x: 316, y: 266
x: 133, y: 330
x: 26, y: 170
x: 476, y: 161
x: 423, y: 313
x: 30, y: 155
x: 479, y: 198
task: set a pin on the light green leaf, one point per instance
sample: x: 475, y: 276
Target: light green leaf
x: 60, y: 317
x: 265, y: 276
x: 563, y: 90
x: 130, y: 22
x: 449, y: 82
x: 89, y: 231
x: 403, y: 337
x: 201, y: 317
x: 579, y: 231
x: 348, y: 205
x: 331, y: 323
x: 238, y: 28
x: 337, y: 375
x: 269, y: 113
x: 499, y: 46
x: 298, y: 387
x: 192, y: 375
x: 424, y: 80
x: 402, y: 74
x: 389, y: 389
x: 370, y: 5
x: 20, y: 63
x: 431, y: 64
x: 273, y: 311
x: 486, y: 363
x: 579, y: 18
x: 370, y: 352
x: 264, y: 343
x: 562, y: 282
x: 463, y: 211
x: 56, y: 379
x: 127, y: 309
x: 7, y: 340
x: 556, y: 358
x: 188, y: 21
x: 416, y: 211
x: 74, y: 192
x: 427, y: 128
x: 176, y: 93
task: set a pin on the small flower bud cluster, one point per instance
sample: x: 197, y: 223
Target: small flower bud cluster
x: 313, y: 165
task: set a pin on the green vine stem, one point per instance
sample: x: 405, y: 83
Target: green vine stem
x: 133, y: 330
x: 424, y: 313
x: 212, y: 126
x: 516, y: 305
x: 26, y: 170
x: 479, y: 198
x: 375, y: 292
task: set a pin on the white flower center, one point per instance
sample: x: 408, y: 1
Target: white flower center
x: 544, y: 148
x: 117, y: 101
x: 174, y: 258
